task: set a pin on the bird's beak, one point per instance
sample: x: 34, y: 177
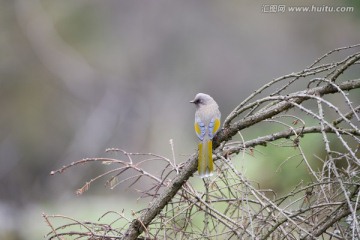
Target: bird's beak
x: 192, y: 101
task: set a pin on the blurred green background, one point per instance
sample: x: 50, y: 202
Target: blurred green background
x: 77, y: 77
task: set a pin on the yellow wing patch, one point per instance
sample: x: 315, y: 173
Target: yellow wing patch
x: 197, y: 129
x: 216, y: 125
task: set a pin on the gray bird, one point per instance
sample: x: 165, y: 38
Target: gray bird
x: 207, y: 124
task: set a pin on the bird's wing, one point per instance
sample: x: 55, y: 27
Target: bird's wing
x: 200, y: 128
x: 214, y: 126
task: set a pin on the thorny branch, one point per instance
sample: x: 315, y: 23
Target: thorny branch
x: 233, y: 206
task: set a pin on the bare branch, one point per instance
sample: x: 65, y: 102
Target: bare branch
x: 232, y: 206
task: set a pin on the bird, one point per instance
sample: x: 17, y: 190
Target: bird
x: 207, y: 124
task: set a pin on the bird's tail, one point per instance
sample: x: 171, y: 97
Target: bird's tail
x: 205, y: 162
